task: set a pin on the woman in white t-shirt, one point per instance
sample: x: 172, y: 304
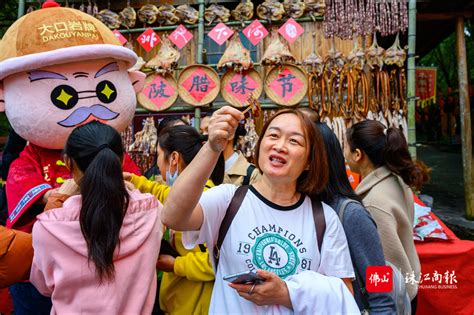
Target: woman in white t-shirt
x: 274, y: 231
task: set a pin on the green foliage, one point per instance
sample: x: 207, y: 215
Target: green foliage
x: 4, y: 125
x: 8, y: 14
x: 445, y: 58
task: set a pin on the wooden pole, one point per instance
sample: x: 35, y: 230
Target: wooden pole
x: 465, y: 113
x: 411, y: 77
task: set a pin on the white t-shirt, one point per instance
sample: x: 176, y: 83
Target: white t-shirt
x: 267, y: 236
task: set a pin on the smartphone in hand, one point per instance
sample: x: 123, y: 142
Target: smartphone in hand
x: 244, y: 277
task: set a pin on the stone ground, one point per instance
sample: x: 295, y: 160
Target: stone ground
x: 446, y: 186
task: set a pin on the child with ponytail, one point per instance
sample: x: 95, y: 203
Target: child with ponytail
x: 97, y: 252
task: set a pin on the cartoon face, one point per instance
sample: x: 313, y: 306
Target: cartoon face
x: 44, y: 105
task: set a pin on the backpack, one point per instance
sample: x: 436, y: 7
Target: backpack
x: 399, y: 292
x: 233, y: 208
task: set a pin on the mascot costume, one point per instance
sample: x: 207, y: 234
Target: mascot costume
x: 59, y: 68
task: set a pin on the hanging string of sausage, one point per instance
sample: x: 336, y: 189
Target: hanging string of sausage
x: 344, y: 18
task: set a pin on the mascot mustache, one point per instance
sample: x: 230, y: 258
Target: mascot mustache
x: 82, y: 114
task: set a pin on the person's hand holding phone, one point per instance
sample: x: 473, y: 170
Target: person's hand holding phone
x: 271, y: 291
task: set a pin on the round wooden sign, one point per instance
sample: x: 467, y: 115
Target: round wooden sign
x: 198, y: 85
x: 286, y: 85
x: 160, y: 92
x: 236, y: 87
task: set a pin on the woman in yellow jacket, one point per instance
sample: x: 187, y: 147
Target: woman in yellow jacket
x: 188, y: 279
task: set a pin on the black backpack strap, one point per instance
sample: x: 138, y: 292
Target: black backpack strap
x: 247, y: 177
x: 319, y: 221
x: 228, y: 218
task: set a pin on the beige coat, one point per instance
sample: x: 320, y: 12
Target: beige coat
x: 390, y: 202
x: 238, y: 171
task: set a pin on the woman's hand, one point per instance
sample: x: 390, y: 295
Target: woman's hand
x: 222, y: 127
x: 165, y: 263
x: 272, y: 291
x: 69, y: 187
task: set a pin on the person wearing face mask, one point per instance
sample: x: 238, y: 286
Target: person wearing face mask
x: 188, y: 279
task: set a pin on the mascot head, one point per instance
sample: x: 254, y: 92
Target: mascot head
x: 60, y: 68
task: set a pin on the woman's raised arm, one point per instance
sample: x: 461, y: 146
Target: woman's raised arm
x: 181, y: 210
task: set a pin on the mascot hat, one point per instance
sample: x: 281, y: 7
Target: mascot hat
x: 55, y: 35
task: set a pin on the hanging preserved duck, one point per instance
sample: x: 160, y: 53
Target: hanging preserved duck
x: 129, y: 16
x: 294, y: 8
x: 148, y: 14
x: 271, y: 10
x: 277, y: 52
x: 216, y: 13
x: 111, y: 19
x: 395, y: 55
x: 314, y: 63
x: 166, y: 59
x: 315, y: 8
x: 356, y: 58
x: 243, y: 11
x: 168, y: 14
x: 236, y: 56
x: 335, y: 59
x: 187, y: 14
x: 375, y: 54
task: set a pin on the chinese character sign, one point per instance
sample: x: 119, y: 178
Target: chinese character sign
x: 240, y: 86
x: 67, y: 29
x: 120, y: 37
x: 255, y: 32
x: 425, y: 88
x: 159, y: 91
x: 199, y: 84
x: 148, y: 39
x: 220, y: 33
x: 291, y: 30
x: 180, y: 37
x: 379, y: 279
x: 286, y: 85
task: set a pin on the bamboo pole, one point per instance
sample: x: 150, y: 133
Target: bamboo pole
x: 199, y: 50
x: 411, y: 77
x: 465, y: 116
x: 21, y: 8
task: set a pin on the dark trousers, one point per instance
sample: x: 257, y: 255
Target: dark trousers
x: 27, y: 300
x: 414, y: 303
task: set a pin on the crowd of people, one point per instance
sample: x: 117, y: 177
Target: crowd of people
x: 109, y: 241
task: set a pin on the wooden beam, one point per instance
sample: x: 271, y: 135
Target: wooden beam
x: 411, y: 77
x: 465, y: 117
x: 443, y: 16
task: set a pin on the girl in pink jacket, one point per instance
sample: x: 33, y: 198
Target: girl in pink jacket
x: 97, y: 253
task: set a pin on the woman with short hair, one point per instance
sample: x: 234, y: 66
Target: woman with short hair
x: 274, y: 231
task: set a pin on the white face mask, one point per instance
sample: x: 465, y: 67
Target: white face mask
x: 170, y: 179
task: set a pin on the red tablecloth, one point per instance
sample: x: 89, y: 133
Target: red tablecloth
x: 456, y: 257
